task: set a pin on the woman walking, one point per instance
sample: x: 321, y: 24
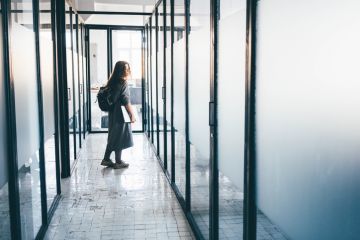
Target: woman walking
x: 120, y: 134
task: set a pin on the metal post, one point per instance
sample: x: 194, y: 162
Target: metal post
x: 187, y: 132
x: 214, y: 171
x: 41, y: 115
x: 63, y: 93
x: 13, y: 183
x: 250, y: 147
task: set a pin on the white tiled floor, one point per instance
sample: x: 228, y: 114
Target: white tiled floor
x: 133, y: 203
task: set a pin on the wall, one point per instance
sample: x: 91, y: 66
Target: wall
x: 308, y: 131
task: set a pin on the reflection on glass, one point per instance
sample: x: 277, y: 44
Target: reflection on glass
x: 168, y: 85
x: 147, y: 78
x: 47, y: 78
x: 160, y: 66
x: 199, y: 96
x: 98, y: 75
x: 154, y: 81
x: 179, y: 95
x: 82, y: 78
x: 27, y: 118
x: 231, y: 89
x: 4, y: 192
x: 126, y: 46
x: 77, y: 120
x: 69, y: 68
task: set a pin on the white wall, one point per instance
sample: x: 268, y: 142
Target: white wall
x: 308, y: 117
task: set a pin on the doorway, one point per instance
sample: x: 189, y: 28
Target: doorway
x: 107, y: 45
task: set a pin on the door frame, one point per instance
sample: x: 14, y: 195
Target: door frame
x: 109, y: 29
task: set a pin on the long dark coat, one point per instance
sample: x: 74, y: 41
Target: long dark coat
x: 120, y: 133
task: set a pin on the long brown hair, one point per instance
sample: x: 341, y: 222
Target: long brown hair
x: 119, y: 73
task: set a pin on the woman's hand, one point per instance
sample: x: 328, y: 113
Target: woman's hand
x: 132, y: 119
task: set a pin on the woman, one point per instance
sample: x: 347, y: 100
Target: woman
x: 120, y: 134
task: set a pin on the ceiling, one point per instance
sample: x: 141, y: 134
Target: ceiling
x: 115, y: 5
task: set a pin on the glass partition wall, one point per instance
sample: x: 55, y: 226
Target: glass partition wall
x: 75, y: 57
x: 28, y: 116
x: 181, y: 89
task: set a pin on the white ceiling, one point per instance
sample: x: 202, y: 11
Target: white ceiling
x: 115, y: 5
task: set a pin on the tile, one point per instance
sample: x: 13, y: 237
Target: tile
x: 103, y: 203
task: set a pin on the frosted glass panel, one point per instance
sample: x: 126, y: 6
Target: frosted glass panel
x: 179, y: 98
x: 98, y: 75
x: 308, y: 132
x: 47, y: 79
x: 168, y: 86
x: 70, y: 79
x: 231, y: 108
x: 160, y: 65
x: 154, y: 82
x: 199, y: 97
x: 4, y: 193
x: 77, y: 118
x: 27, y: 123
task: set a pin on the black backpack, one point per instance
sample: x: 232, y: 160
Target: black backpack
x: 105, y: 99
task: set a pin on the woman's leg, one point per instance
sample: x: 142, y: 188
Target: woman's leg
x: 118, y: 156
x: 107, y: 153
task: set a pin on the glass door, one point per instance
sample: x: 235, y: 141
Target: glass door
x: 127, y: 46
x: 115, y: 45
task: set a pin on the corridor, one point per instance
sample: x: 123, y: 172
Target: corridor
x: 103, y: 203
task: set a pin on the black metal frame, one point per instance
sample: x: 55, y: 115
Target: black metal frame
x: 109, y: 29
x: 214, y: 168
x: 250, y: 141
x: 164, y: 87
x: 14, y: 198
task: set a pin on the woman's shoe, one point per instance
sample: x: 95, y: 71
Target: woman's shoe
x: 121, y: 164
x: 107, y: 163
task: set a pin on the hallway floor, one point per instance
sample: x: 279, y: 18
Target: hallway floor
x: 103, y: 203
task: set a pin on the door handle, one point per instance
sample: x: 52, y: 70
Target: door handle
x: 69, y: 94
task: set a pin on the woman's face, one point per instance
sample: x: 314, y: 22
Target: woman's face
x: 127, y: 71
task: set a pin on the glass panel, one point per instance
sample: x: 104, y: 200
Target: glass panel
x: 69, y: 67
x: 308, y: 120
x: 199, y: 97
x: 47, y: 78
x: 154, y: 81
x: 168, y: 85
x: 160, y: 66
x: 77, y: 120
x: 126, y: 46
x: 85, y: 83
x: 179, y: 96
x: 27, y: 116
x: 98, y: 75
x: 231, y: 89
x: 148, y: 79
x: 4, y: 191
x: 81, y: 77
